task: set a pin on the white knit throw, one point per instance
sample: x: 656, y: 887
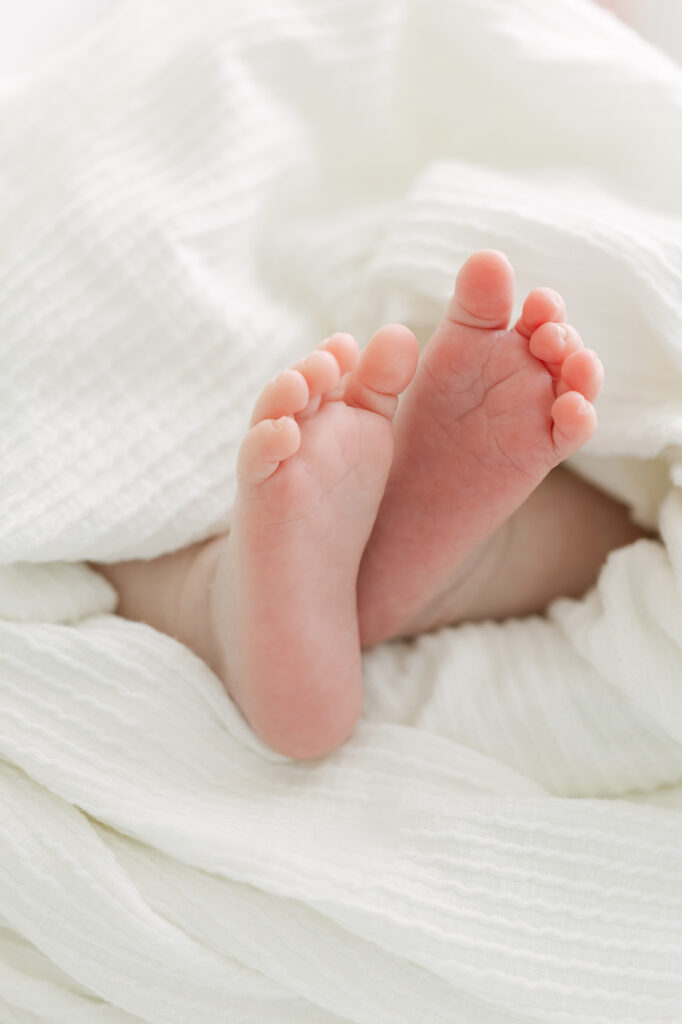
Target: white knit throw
x: 190, y: 200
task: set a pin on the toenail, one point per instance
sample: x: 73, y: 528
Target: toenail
x: 562, y: 332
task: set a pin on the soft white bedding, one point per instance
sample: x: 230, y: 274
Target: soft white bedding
x: 500, y: 840
x: 659, y: 21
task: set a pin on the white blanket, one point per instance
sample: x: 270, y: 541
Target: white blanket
x: 192, y: 198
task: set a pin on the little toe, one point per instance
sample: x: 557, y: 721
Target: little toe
x: 484, y: 292
x: 582, y: 371
x: 386, y: 367
x: 321, y: 371
x: 541, y: 305
x: 575, y: 421
x: 267, y: 444
x: 344, y: 348
x: 552, y: 343
x: 282, y: 396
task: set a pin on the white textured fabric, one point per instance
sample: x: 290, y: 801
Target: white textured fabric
x: 188, y: 202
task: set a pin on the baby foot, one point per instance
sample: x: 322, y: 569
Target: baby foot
x: 311, y: 471
x: 490, y: 412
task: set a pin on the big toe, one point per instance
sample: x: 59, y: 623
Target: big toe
x: 386, y: 367
x: 484, y: 292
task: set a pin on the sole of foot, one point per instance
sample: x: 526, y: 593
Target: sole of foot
x: 489, y: 413
x: 311, y: 473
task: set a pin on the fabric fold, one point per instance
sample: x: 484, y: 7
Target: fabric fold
x: 190, y: 199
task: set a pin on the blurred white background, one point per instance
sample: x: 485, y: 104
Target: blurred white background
x: 36, y: 29
x: 32, y: 30
x: 660, y: 21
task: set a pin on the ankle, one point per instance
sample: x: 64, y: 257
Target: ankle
x: 478, y: 590
x: 196, y: 602
x: 557, y: 543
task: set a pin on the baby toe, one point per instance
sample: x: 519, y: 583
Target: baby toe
x: 321, y: 371
x: 386, y: 367
x: 575, y: 421
x: 267, y: 444
x: 582, y: 371
x: 541, y: 306
x: 344, y: 348
x: 285, y: 395
x: 484, y: 292
x: 553, y: 342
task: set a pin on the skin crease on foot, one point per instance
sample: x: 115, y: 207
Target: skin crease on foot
x: 311, y: 472
x: 489, y: 413
x: 346, y: 532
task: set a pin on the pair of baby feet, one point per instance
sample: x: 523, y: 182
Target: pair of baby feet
x: 347, y: 532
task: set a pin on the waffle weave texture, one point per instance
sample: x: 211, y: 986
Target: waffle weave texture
x: 189, y: 200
